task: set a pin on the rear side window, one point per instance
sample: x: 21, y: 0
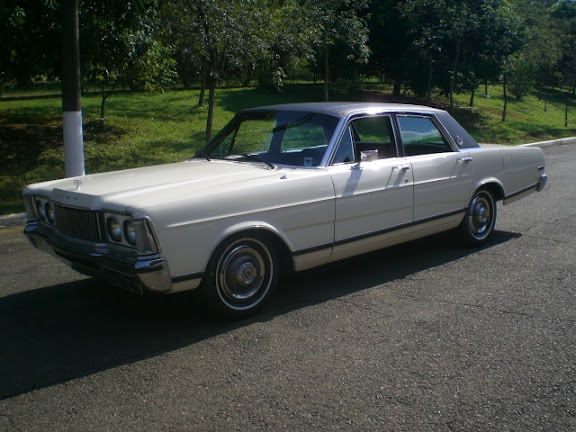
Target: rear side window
x: 420, y: 136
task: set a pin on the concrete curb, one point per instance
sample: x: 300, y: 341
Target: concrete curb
x: 12, y: 219
x: 561, y: 141
x: 20, y: 218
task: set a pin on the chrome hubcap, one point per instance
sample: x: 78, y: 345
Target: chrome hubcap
x: 244, y: 274
x: 480, y: 216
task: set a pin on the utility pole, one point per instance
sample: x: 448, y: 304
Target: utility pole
x: 71, y: 99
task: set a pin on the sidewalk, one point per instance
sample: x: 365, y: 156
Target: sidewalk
x: 20, y: 218
x: 12, y: 219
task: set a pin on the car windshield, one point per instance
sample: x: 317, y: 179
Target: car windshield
x: 296, y: 138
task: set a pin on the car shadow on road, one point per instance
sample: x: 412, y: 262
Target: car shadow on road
x: 55, y: 334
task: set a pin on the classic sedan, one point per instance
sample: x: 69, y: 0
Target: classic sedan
x: 281, y: 188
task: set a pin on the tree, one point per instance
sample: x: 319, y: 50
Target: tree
x: 226, y: 40
x: 450, y: 32
x: 563, y: 15
x: 337, y: 23
x: 30, y: 43
x: 287, y: 37
x: 536, y: 62
x: 219, y: 39
x: 391, y: 46
x: 120, y: 44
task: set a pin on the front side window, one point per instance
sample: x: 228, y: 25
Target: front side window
x: 276, y: 137
x: 420, y: 135
x: 372, y: 133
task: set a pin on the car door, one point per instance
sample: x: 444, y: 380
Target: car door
x: 442, y: 176
x: 373, y: 187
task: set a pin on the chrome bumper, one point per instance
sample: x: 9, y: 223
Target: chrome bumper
x: 119, y: 265
x: 527, y: 191
x: 542, y: 182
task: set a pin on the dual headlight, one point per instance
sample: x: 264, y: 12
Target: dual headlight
x: 127, y: 231
x: 45, y: 210
x: 121, y: 229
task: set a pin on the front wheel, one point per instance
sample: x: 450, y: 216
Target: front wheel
x: 242, y: 275
x: 478, y: 224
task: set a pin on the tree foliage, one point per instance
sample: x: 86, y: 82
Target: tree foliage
x: 30, y: 40
x: 466, y: 40
x: 422, y: 45
x: 120, y: 45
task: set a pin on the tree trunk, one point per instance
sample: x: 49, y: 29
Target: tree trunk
x: 102, y: 104
x: 429, y: 83
x: 326, y: 74
x: 202, y: 87
x: 505, y: 100
x: 453, y: 76
x: 566, y: 111
x: 472, y: 93
x: 210, y: 117
x: 397, y: 87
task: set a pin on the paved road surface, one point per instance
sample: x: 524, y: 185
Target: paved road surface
x: 421, y: 337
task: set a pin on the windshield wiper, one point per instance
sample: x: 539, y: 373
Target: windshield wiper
x: 257, y: 159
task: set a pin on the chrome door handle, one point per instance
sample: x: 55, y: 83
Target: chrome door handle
x: 401, y: 167
x: 465, y: 159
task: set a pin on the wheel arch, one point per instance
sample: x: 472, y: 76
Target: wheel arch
x: 264, y: 232
x: 494, y: 186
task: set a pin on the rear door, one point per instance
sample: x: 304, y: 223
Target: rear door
x: 442, y: 176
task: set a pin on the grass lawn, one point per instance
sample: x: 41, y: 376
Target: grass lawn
x: 145, y: 129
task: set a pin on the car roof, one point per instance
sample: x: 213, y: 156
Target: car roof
x: 347, y: 109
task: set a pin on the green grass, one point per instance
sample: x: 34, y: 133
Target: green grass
x: 537, y: 117
x: 145, y: 129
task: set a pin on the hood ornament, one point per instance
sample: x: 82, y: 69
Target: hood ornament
x: 77, y: 183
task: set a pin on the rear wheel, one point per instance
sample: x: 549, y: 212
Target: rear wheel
x: 478, y: 224
x: 242, y: 275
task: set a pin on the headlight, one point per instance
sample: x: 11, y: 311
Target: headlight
x: 40, y: 209
x: 124, y: 230
x: 130, y: 232
x: 114, y: 229
x: 49, y: 212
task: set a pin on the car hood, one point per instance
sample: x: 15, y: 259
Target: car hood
x: 143, y: 187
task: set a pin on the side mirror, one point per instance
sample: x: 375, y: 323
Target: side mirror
x: 367, y: 156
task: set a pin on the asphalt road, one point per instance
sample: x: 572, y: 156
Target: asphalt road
x: 422, y: 337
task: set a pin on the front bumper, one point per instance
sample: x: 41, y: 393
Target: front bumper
x: 117, y: 264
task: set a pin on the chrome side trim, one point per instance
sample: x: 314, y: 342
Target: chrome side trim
x: 377, y: 233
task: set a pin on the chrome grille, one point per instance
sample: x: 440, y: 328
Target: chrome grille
x: 82, y: 224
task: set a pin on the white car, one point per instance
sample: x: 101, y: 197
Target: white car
x: 285, y: 187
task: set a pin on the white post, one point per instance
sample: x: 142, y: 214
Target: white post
x: 71, y: 98
x: 73, y: 144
